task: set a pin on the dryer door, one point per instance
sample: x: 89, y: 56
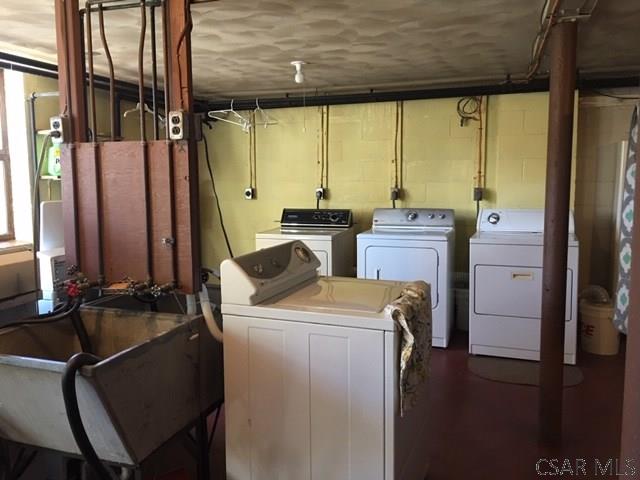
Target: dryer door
x: 404, y: 264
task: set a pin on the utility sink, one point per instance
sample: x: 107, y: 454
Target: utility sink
x: 158, y: 374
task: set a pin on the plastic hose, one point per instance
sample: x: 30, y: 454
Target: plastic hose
x: 207, y: 312
x: 70, y: 396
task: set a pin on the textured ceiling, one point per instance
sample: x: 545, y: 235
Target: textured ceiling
x: 243, y: 48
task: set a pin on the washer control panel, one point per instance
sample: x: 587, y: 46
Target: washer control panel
x: 412, y: 218
x: 319, y: 218
x: 257, y: 276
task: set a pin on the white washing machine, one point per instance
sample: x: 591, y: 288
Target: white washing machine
x: 311, y: 374
x: 328, y: 233
x: 505, y: 285
x: 413, y: 244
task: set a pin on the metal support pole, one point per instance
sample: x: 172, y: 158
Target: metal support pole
x: 562, y: 85
x: 630, y: 441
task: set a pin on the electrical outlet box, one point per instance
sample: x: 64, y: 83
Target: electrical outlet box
x: 59, y: 126
x: 478, y: 194
x: 395, y: 193
x: 249, y: 193
x: 321, y: 193
x: 178, y: 128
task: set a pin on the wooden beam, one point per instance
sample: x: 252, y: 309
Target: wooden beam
x: 556, y: 227
x: 630, y: 441
x: 185, y: 160
x: 71, y: 76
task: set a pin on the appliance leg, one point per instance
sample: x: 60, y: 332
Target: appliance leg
x: 203, y: 448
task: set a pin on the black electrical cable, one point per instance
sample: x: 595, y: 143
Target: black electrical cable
x: 468, y: 109
x: 81, y: 332
x: 51, y: 319
x: 215, y: 195
x: 19, y: 470
x: 215, y: 424
x: 70, y: 396
x: 618, y: 97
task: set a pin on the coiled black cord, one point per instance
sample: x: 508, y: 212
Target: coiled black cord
x: 55, y: 316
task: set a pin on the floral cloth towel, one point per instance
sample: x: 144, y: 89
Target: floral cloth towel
x: 621, y: 315
x: 412, y: 313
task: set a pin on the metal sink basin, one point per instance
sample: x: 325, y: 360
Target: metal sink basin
x: 158, y: 374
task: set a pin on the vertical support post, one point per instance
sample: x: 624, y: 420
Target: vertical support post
x: 556, y: 226
x: 71, y: 81
x: 71, y: 75
x: 185, y: 161
x: 630, y: 441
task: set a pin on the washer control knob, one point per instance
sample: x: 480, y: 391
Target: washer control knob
x: 258, y: 268
x: 303, y: 254
x: 493, y: 218
x: 442, y: 216
x: 333, y: 218
x: 431, y: 216
x: 412, y: 215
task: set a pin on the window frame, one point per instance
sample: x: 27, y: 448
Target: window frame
x: 6, y: 159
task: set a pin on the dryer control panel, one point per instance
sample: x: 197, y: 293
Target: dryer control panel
x: 320, y: 218
x: 412, y: 218
x: 260, y: 275
x: 515, y: 220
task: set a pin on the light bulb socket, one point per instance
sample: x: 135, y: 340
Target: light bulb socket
x: 299, y: 76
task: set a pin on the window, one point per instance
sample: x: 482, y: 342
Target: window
x: 6, y: 217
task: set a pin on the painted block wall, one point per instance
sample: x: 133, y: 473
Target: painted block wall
x: 439, y: 164
x: 604, y: 123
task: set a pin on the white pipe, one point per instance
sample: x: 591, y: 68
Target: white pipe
x: 207, y: 312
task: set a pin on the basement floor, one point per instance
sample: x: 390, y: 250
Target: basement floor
x: 487, y: 430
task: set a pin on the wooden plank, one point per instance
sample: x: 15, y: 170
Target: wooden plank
x: 87, y: 209
x: 71, y: 78
x: 69, y: 204
x: 124, y: 213
x: 162, y: 229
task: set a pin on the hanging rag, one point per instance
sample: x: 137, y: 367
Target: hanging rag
x: 621, y: 314
x: 412, y: 314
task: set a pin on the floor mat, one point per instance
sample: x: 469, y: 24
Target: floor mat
x: 521, y: 372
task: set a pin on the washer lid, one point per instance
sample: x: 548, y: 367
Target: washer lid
x: 341, y: 296
x: 432, y: 234
x: 300, y: 233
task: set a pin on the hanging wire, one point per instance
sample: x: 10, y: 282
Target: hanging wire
x: 469, y: 109
x: 397, y: 148
x: 252, y: 153
x: 215, y: 195
x: 326, y: 148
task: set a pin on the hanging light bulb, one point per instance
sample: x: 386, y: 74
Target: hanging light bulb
x: 299, y: 76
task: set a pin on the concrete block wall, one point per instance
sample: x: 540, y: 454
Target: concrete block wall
x: 438, y: 166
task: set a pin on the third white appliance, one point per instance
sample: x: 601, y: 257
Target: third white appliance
x: 413, y: 244
x: 505, y: 285
x: 327, y: 232
x: 311, y: 374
